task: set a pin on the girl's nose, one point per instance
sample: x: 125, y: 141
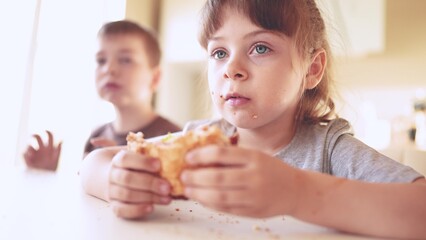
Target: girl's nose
x: 235, y: 71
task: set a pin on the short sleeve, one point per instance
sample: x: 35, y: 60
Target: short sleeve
x: 350, y: 158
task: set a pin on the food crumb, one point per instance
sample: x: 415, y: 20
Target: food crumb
x: 261, y: 229
x: 256, y: 228
x: 274, y: 236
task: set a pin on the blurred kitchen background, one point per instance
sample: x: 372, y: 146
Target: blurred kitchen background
x: 47, y: 69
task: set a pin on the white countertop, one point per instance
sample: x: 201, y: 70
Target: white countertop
x: 45, y: 205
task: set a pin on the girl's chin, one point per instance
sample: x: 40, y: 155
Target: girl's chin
x: 247, y: 122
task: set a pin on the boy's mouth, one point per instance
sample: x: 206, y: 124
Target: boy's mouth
x: 111, y: 86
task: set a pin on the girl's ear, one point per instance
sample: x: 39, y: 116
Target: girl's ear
x: 316, y: 69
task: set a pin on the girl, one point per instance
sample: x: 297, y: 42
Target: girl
x: 269, y: 77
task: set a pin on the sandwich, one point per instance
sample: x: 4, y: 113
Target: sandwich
x: 171, y: 151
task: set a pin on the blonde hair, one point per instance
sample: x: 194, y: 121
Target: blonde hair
x: 149, y: 40
x: 297, y: 19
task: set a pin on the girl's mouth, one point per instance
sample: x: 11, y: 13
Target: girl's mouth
x: 235, y: 99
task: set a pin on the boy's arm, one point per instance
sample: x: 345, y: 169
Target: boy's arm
x: 94, y: 171
x: 377, y: 209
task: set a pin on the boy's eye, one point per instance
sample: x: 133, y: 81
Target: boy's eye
x: 100, y: 61
x: 261, y: 49
x: 219, y: 54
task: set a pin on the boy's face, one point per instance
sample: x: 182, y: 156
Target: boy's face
x: 252, y: 76
x: 123, y: 74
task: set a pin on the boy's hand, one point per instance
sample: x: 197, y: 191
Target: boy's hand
x: 134, y: 186
x: 240, y: 181
x: 46, y: 156
x: 102, y: 142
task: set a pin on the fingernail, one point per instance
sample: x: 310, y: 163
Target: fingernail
x: 165, y: 200
x: 164, y: 188
x: 155, y: 164
x: 184, y: 177
x: 187, y: 191
x: 189, y: 158
x: 149, y: 208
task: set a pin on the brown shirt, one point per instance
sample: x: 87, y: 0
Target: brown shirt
x: 160, y: 126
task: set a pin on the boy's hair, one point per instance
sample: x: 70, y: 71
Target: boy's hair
x: 149, y: 40
x: 297, y: 19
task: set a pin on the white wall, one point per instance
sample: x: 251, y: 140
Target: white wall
x: 183, y: 92
x: 387, y: 81
x: 59, y: 76
x: 14, y: 50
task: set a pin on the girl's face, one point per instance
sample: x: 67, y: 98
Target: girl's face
x: 254, y: 77
x: 123, y: 74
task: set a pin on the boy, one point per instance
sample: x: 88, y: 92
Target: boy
x: 127, y: 75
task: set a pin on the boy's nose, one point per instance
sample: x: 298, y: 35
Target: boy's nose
x: 235, y: 71
x: 110, y: 68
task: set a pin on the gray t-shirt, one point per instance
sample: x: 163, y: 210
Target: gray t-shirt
x: 331, y: 148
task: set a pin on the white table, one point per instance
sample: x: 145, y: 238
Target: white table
x: 44, y: 205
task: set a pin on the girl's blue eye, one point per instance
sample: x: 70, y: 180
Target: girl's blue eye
x: 261, y: 49
x: 219, y: 54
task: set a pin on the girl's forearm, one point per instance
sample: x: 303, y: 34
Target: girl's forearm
x: 386, y: 210
x: 94, y: 171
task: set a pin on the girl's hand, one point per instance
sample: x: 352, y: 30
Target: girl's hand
x: 241, y: 181
x: 46, y: 156
x: 134, y: 186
